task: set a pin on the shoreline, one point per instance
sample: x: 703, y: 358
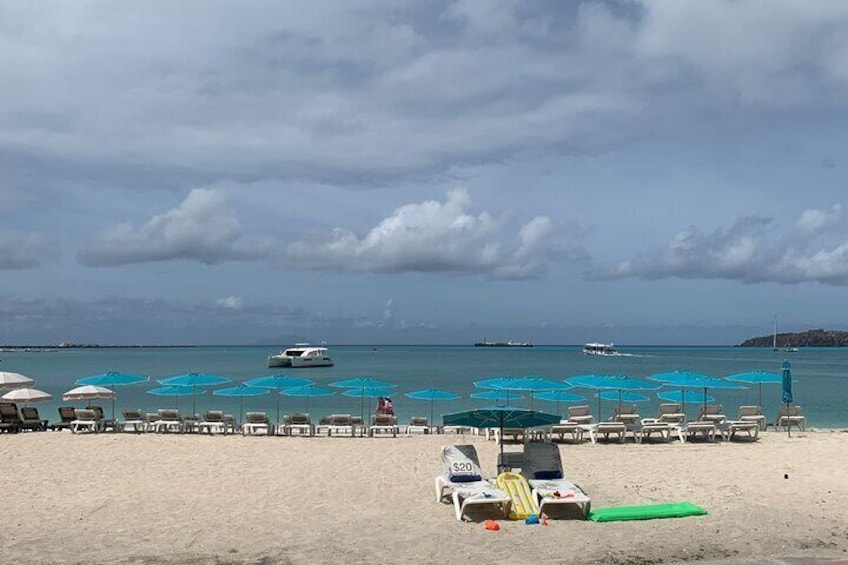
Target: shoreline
x: 187, y: 498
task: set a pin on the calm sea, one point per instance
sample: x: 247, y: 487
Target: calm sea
x: 820, y: 375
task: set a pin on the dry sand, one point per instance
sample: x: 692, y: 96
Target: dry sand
x: 150, y: 498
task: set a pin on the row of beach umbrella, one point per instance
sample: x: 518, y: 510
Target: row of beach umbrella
x: 693, y: 388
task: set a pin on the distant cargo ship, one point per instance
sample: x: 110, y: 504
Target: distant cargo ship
x: 510, y: 343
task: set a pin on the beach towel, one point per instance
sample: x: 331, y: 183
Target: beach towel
x: 646, y: 512
x: 524, y: 504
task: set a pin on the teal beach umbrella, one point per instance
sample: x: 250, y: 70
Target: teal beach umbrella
x: 432, y: 394
x: 195, y: 380
x: 497, y: 395
x: 278, y: 382
x: 369, y: 392
x: 758, y: 378
x: 241, y: 391
x: 559, y: 396
x: 307, y: 391
x: 684, y: 396
x: 113, y: 379
x: 174, y: 390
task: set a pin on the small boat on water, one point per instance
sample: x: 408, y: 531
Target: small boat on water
x: 510, y: 343
x: 603, y: 349
x: 301, y: 355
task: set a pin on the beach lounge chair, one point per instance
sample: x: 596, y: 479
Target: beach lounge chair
x: 712, y: 413
x: 324, y: 423
x: 649, y: 427
x: 418, y: 424
x: 213, y: 421
x: 340, y: 424
x: 301, y: 423
x: 730, y: 429
x: 627, y: 413
x: 67, y: 414
x: 516, y: 434
x: 607, y: 429
x: 672, y: 413
x: 359, y: 427
x: 789, y: 416
x: 169, y: 420
x: 462, y: 480
x: 10, y: 420
x: 86, y: 421
x: 383, y: 424
x: 255, y: 422
x: 133, y: 421
x: 542, y: 467
x: 699, y: 429
x: 105, y: 423
x: 566, y: 427
x: 752, y: 414
x: 31, y: 420
x: 580, y: 414
x: 231, y: 425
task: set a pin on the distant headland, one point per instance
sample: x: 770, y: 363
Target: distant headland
x: 809, y: 338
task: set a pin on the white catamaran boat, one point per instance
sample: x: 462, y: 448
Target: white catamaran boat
x: 605, y: 349
x: 301, y: 355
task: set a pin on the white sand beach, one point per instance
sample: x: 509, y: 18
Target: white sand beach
x: 125, y: 498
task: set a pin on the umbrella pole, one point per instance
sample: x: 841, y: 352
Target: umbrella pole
x: 278, y: 408
x: 761, y: 395
x: 194, y: 401
x: 241, y: 408
x: 430, y: 422
x: 599, y: 406
x: 113, y: 411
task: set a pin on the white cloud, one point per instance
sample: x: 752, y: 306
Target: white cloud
x: 432, y: 237
x: 231, y: 302
x: 202, y: 228
x: 26, y: 251
x: 815, y: 249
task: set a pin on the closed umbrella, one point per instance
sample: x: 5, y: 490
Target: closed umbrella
x: 14, y: 380
x: 27, y: 395
x: 113, y: 379
x: 307, y: 391
x: 174, y: 390
x: 432, y: 394
x: 278, y: 382
x: 241, y: 391
x: 500, y: 417
x: 758, y: 378
x: 195, y: 380
x: 786, y: 385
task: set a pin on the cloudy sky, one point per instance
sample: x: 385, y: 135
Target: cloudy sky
x: 375, y: 171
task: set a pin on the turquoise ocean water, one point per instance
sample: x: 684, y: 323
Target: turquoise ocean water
x: 820, y: 375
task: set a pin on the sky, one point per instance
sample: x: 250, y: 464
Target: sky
x: 440, y: 171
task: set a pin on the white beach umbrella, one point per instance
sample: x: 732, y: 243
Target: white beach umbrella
x: 14, y: 380
x: 27, y: 395
x: 88, y: 392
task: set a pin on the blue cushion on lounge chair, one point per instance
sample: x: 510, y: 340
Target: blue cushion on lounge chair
x: 547, y: 475
x: 465, y: 478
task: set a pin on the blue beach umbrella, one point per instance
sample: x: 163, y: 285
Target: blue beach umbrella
x: 362, y: 385
x: 432, y: 394
x: 241, y: 391
x: 307, y: 391
x: 113, y: 379
x: 500, y: 417
x: 684, y: 396
x: 559, y: 396
x: 687, y: 380
x: 621, y: 396
x: 278, y: 382
x: 758, y: 378
x: 369, y: 392
x: 195, y: 380
x: 497, y: 395
x: 174, y: 390
x: 618, y: 383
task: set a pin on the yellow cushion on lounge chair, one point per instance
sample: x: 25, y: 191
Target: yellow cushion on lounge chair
x: 523, y: 502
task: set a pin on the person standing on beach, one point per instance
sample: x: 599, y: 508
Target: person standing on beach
x: 381, y: 405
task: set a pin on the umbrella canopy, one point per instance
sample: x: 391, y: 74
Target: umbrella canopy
x: 278, y: 382
x: 758, y: 378
x: 368, y: 392
x: 14, y: 380
x: 687, y: 379
x: 27, y: 395
x: 622, y: 396
x: 618, y: 383
x: 195, y: 380
x: 685, y: 396
x: 307, y: 391
x: 786, y: 383
x: 174, y: 390
x: 241, y: 391
x: 500, y: 417
x: 363, y: 382
x: 88, y: 392
x: 498, y: 383
x: 432, y: 394
x: 559, y: 396
x: 113, y: 378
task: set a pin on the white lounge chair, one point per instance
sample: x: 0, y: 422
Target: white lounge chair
x: 300, y: 423
x: 383, y: 424
x: 606, y: 429
x: 86, y: 421
x: 418, y: 424
x: 704, y: 430
x: 729, y: 429
x: 169, y: 420
x: 213, y: 421
x: 133, y: 421
x: 255, y: 422
x: 628, y: 413
x: 574, y: 429
x: 789, y: 416
x: 580, y: 414
x: 462, y: 480
x: 340, y: 424
x: 650, y: 426
x: 712, y: 413
x: 672, y: 413
x: 753, y: 414
x: 542, y: 467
